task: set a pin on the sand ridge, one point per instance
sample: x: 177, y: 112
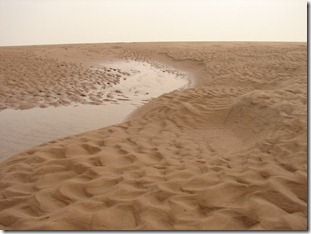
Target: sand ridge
x: 228, y: 154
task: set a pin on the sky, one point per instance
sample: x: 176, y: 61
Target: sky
x: 35, y: 22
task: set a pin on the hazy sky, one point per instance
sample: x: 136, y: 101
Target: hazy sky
x: 28, y: 22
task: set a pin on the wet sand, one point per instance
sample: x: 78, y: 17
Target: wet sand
x: 138, y: 83
x: 229, y: 153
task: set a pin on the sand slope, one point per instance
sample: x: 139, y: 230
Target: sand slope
x: 229, y: 154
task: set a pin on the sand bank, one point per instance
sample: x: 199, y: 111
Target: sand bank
x: 227, y: 154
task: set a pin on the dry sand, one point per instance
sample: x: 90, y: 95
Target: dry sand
x: 228, y: 154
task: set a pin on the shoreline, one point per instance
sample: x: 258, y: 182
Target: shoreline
x: 131, y: 91
x: 227, y: 154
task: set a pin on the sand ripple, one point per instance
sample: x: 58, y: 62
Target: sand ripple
x: 229, y: 154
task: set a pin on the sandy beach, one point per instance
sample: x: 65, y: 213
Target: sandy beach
x: 228, y: 152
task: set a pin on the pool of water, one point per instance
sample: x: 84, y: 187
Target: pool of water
x: 24, y: 129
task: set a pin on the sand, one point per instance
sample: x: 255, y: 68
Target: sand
x: 228, y: 154
x: 139, y: 82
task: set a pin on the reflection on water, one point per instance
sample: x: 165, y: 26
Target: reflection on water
x: 23, y: 129
x: 146, y: 81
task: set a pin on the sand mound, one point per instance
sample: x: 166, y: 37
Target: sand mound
x: 229, y: 154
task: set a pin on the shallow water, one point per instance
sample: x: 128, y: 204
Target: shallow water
x: 147, y: 81
x: 24, y: 129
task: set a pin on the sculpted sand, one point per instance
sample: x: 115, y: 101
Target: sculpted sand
x: 229, y: 153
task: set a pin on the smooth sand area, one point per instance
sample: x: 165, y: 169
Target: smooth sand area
x: 139, y: 82
x: 229, y: 153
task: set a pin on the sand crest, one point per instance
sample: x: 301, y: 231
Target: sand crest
x: 228, y: 154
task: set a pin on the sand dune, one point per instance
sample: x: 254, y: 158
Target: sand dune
x: 228, y: 154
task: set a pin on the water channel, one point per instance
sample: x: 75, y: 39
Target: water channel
x: 24, y: 129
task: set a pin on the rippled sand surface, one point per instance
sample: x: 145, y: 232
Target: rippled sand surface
x: 229, y: 153
x: 100, y: 106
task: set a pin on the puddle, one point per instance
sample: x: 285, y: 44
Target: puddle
x: 24, y: 129
x: 146, y: 81
x: 139, y: 82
